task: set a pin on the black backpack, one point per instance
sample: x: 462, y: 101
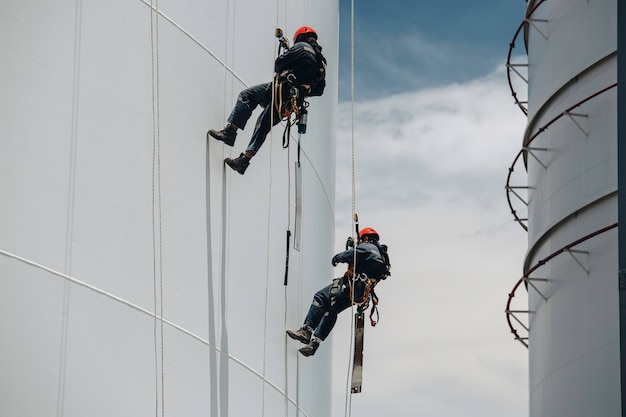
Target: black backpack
x: 383, y: 252
x: 318, y: 84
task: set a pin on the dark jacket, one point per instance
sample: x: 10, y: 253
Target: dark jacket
x: 368, y: 259
x: 305, y: 61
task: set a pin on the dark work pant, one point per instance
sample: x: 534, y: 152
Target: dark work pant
x: 322, y: 315
x: 248, y: 100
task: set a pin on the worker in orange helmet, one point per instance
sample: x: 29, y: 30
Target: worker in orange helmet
x: 302, y: 66
x: 372, y: 265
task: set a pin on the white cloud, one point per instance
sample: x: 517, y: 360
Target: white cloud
x: 456, y: 139
x: 431, y: 168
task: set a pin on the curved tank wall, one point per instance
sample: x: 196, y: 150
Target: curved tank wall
x: 572, y: 179
x: 137, y: 275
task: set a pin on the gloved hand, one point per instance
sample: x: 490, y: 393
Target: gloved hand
x: 334, y: 261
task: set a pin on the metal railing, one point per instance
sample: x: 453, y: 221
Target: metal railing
x: 512, y: 315
x: 513, y: 68
x: 512, y: 189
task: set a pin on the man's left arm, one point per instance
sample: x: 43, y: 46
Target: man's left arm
x: 343, y: 257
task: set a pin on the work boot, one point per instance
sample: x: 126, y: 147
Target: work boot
x: 226, y: 135
x: 302, y: 335
x: 239, y: 164
x: 309, y: 350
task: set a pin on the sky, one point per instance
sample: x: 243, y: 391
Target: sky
x: 435, y: 131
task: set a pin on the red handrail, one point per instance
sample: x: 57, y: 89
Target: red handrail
x: 533, y: 137
x: 509, y: 65
x: 539, y: 264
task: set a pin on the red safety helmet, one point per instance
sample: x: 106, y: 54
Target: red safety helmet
x: 368, y: 231
x: 302, y: 30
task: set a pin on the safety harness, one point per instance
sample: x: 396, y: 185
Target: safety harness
x: 368, y: 294
x: 290, y: 102
x: 361, y: 290
x: 367, y: 283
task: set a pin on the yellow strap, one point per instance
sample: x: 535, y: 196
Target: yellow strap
x: 290, y: 108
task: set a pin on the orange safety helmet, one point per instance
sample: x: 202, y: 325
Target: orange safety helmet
x: 368, y: 231
x: 302, y: 30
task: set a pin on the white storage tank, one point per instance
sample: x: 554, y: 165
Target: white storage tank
x: 571, y: 159
x: 138, y: 275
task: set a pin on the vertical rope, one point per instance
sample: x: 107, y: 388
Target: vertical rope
x: 269, y: 218
x: 267, y: 277
x: 286, y: 363
x: 285, y: 309
x: 348, y: 402
x: 156, y: 200
x: 69, y: 231
x: 154, y: 273
x: 227, y: 39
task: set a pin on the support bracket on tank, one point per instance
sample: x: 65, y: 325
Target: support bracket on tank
x: 533, y: 23
x: 572, y: 252
x: 572, y: 115
x: 530, y: 280
x: 531, y: 153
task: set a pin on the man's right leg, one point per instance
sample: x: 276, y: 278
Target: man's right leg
x: 319, y: 306
x: 247, y: 101
x: 226, y: 135
x: 326, y: 325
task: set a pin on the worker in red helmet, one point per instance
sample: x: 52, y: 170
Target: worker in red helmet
x: 302, y: 66
x: 372, y: 265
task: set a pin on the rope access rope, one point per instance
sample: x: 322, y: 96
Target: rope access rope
x: 277, y: 94
x: 285, y: 309
x: 267, y: 274
x: 269, y: 218
x: 348, y: 401
x: 156, y: 166
x: 226, y: 201
x: 285, y: 294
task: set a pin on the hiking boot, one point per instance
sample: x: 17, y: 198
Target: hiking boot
x: 302, y: 335
x: 239, y: 164
x: 309, y: 350
x: 226, y: 135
